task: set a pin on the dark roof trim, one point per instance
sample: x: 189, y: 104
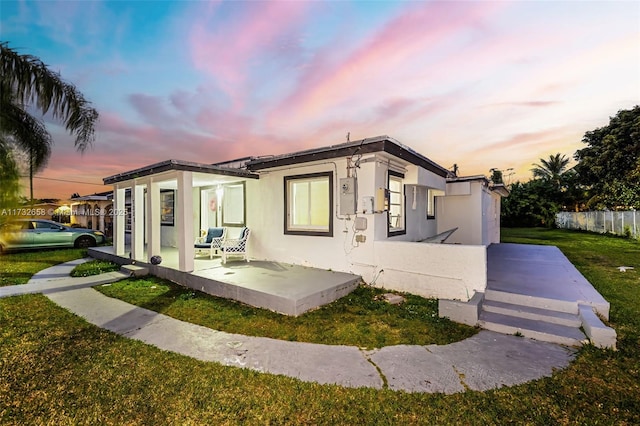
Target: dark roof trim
x: 364, y: 146
x: 177, y: 165
x: 478, y: 178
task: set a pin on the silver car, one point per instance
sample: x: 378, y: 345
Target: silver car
x: 41, y: 233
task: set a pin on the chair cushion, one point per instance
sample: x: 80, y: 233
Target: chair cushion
x: 214, y: 233
x: 203, y: 246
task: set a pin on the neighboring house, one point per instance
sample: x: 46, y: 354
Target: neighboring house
x: 361, y: 207
x: 93, y: 212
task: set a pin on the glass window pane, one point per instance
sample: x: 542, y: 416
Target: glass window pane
x: 309, y: 204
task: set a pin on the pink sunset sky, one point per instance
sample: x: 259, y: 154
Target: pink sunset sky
x: 479, y: 84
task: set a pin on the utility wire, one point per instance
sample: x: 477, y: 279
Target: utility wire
x: 63, y: 180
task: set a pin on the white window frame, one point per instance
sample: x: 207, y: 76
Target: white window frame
x: 396, y: 223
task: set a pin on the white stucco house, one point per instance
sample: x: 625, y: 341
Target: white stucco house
x: 373, y: 207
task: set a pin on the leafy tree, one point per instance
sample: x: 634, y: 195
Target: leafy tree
x: 9, y: 188
x: 610, y: 164
x: 25, y: 81
x: 530, y: 204
x: 496, y: 176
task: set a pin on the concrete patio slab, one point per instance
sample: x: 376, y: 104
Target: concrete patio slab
x: 540, y: 272
x: 283, y: 288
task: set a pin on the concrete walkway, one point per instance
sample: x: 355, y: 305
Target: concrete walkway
x: 485, y: 361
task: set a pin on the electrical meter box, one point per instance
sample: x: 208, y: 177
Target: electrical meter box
x: 348, y: 196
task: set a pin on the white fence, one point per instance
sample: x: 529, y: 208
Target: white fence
x: 620, y: 223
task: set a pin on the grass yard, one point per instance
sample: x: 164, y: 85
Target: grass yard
x: 358, y: 319
x: 94, y: 267
x: 17, y: 268
x: 57, y: 369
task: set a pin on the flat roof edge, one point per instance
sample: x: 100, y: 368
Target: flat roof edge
x: 364, y: 146
x: 177, y: 165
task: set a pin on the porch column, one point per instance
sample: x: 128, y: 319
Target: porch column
x: 118, y: 218
x: 184, y: 218
x: 137, y: 222
x: 153, y: 219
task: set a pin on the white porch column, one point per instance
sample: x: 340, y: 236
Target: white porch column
x: 184, y: 221
x: 137, y: 222
x: 119, y: 218
x: 153, y: 219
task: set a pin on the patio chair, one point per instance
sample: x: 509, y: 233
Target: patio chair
x: 211, y: 242
x: 236, y: 247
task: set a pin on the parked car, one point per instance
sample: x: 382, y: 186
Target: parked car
x: 41, y: 233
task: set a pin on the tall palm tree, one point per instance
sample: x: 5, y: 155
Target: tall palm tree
x: 25, y: 81
x: 551, y: 169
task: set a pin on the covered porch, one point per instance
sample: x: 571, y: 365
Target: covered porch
x: 162, y: 208
x: 280, y: 287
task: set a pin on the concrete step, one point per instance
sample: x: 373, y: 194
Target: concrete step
x: 134, y: 270
x: 534, y: 329
x: 570, y: 307
x: 533, y: 313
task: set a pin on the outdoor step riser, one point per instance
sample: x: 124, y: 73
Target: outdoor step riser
x: 535, y: 329
x: 532, y: 301
x: 515, y: 312
x: 532, y: 334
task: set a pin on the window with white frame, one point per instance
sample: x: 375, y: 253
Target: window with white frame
x: 308, y: 201
x: 396, y: 204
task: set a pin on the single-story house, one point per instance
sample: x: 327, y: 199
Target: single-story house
x: 92, y: 211
x: 373, y: 207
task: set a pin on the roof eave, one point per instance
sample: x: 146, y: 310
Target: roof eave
x: 364, y: 146
x: 169, y: 165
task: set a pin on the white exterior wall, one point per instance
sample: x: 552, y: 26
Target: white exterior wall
x: 461, y: 207
x: 445, y: 271
x: 339, y: 252
x: 266, y: 216
x: 474, y: 209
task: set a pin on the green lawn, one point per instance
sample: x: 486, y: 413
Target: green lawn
x: 57, y: 369
x: 18, y: 267
x: 360, y: 319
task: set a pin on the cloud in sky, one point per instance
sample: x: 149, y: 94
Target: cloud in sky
x: 480, y: 84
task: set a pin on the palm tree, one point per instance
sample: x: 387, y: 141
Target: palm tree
x: 551, y: 169
x: 25, y: 81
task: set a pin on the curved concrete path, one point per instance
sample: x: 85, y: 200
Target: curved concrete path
x: 485, y: 361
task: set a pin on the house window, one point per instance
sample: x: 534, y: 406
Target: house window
x: 233, y: 208
x: 167, y: 207
x: 396, y: 204
x: 308, y: 200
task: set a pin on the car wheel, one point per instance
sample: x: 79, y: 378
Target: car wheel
x: 84, y: 242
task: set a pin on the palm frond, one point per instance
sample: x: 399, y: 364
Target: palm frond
x: 32, y: 83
